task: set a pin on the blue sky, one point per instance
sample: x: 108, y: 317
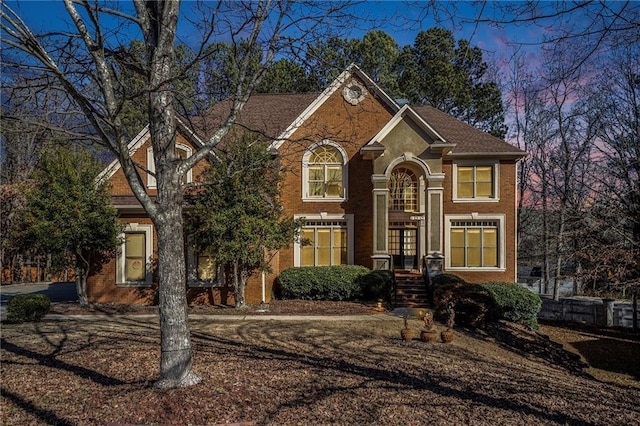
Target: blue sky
x: 395, y: 17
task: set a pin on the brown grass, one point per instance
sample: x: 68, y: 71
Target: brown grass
x: 79, y: 372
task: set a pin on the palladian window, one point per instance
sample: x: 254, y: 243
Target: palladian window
x: 403, y: 190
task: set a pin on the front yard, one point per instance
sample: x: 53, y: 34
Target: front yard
x: 304, y: 372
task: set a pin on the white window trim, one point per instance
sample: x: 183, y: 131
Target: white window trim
x: 120, y: 261
x: 496, y: 181
x: 305, y: 174
x: 151, y: 165
x: 348, y: 218
x: 500, y: 218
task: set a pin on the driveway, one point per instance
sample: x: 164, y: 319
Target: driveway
x: 57, y: 292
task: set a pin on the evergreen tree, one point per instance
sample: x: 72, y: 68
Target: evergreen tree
x: 238, y: 216
x: 450, y: 76
x: 68, y: 214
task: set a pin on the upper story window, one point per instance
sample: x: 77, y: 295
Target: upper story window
x: 182, y: 151
x: 403, y: 190
x: 324, y: 173
x: 476, y: 182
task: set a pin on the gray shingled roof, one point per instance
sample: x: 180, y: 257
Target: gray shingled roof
x: 467, y: 138
x: 271, y: 114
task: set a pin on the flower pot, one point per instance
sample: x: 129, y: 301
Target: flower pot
x: 406, y: 334
x: 446, y: 336
x: 428, y: 336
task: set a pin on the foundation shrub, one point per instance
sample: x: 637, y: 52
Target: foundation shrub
x: 446, y: 279
x: 515, y: 303
x: 27, y: 307
x: 322, y: 282
x: 376, y: 284
x: 473, y: 304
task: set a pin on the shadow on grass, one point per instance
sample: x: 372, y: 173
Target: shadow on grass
x: 611, y: 354
x: 45, y: 416
x: 531, y: 344
x: 435, y: 382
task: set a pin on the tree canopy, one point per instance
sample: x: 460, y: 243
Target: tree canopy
x: 238, y: 215
x: 68, y: 213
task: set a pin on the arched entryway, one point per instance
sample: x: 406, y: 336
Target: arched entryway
x: 405, y: 216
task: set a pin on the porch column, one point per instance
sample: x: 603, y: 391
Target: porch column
x: 380, y: 220
x: 435, y: 217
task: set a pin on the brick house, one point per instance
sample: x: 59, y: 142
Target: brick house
x: 378, y: 183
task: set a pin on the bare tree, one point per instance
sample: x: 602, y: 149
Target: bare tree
x: 84, y: 64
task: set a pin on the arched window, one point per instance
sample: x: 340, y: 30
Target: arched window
x: 403, y: 190
x: 324, y: 173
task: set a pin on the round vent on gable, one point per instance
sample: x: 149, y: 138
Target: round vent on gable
x: 354, y: 92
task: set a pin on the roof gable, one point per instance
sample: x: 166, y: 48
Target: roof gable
x: 141, y: 139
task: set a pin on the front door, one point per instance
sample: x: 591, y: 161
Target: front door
x: 403, y: 246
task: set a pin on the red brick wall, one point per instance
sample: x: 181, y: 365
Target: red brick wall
x: 351, y: 126
x: 506, y: 205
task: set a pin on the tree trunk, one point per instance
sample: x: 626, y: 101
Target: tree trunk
x: 175, y: 339
x: 81, y: 285
x: 559, y: 256
x: 238, y: 285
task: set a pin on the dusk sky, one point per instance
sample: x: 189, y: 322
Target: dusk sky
x: 403, y: 20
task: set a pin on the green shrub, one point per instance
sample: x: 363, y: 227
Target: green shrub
x: 445, y: 279
x: 472, y: 303
x: 516, y: 303
x: 27, y: 307
x: 322, y: 282
x: 376, y: 284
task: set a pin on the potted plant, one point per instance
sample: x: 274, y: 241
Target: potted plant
x: 428, y: 335
x: 447, y: 335
x: 406, y: 333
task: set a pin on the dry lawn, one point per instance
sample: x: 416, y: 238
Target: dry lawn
x: 80, y: 372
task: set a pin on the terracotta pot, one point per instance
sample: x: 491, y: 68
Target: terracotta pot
x: 428, y: 336
x: 406, y: 334
x: 446, y: 336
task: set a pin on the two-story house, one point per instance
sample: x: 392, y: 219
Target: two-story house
x: 379, y: 183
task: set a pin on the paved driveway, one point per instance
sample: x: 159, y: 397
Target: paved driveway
x: 57, y: 292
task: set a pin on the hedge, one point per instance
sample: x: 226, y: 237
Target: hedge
x: 322, y: 282
x: 27, y: 307
x: 516, y: 303
x: 377, y: 284
x: 444, y: 279
x: 472, y: 303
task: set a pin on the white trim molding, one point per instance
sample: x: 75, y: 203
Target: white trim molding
x: 475, y: 217
x: 328, y: 217
x: 147, y: 229
x: 494, y: 163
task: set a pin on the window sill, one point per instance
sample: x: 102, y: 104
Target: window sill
x: 135, y: 284
x: 474, y: 269
x: 324, y: 200
x: 476, y: 200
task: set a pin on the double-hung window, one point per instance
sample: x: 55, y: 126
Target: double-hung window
x: 182, y: 152
x: 134, y: 256
x: 475, y: 242
x: 325, y: 242
x: 475, y: 182
x: 202, y: 268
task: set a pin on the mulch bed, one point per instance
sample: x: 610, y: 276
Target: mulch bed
x: 75, y: 372
x: 275, y: 307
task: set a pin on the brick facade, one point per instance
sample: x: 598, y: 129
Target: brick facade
x: 377, y: 136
